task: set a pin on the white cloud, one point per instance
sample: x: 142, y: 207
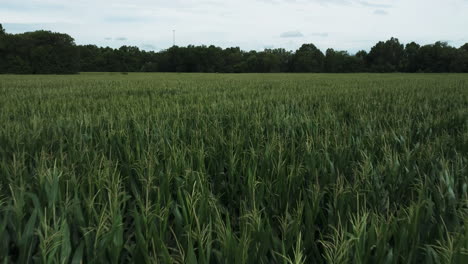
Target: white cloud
x: 320, y: 34
x: 291, y: 34
x: 376, y: 4
x: 340, y: 24
x: 380, y: 12
x: 148, y: 47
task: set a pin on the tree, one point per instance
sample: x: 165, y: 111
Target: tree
x: 47, y: 52
x: 410, y: 58
x: 308, y: 58
x: 51, y: 52
x: 462, y: 58
x: 39, y: 52
x: 269, y: 60
x: 464, y: 47
x: 233, y: 58
x: 3, y: 51
x: 335, y: 61
x: 130, y: 58
x: 361, y: 61
x: 438, y: 57
x: 386, y: 56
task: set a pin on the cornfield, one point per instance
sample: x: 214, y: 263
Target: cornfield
x: 219, y: 168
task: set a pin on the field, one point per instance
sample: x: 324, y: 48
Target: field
x: 213, y: 168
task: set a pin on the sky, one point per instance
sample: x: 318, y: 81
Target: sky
x: 349, y: 25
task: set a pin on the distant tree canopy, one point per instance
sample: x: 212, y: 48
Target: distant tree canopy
x: 386, y: 56
x: 45, y: 52
x: 308, y: 58
x: 40, y: 52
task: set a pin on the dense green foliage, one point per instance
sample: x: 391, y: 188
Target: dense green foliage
x: 47, y: 52
x: 39, y: 52
x: 234, y: 168
x: 389, y: 56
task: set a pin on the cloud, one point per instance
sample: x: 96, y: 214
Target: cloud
x: 15, y: 28
x: 320, y: 34
x: 375, y: 5
x: 147, y: 47
x: 291, y: 34
x: 333, y: 2
x: 124, y: 19
x: 121, y: 38
x: 380, y: 12
x: 307, y: 2
x: 31, y: 6
x: 340, y: 24
x: 22, y: 27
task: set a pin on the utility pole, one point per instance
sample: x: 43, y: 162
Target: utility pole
x: 173, y: 37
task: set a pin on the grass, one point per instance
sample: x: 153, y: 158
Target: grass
x: 213, y: 168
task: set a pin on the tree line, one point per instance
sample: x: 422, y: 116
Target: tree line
x: 45, y: 52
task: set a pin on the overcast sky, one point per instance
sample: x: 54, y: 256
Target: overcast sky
x: 250, y: 24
